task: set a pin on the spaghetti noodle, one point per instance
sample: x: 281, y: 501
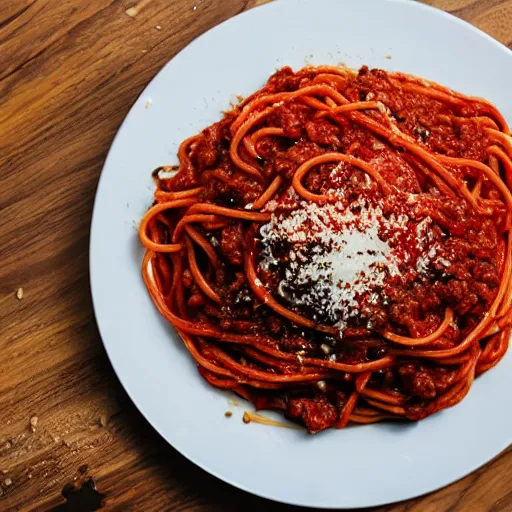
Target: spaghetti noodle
x: 338, y: 247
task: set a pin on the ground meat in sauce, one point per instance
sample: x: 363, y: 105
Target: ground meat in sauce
x: 424, y: 383
x: 224, y: 189
x: 316, y: 413
x: 426, y: 119
x: 323, y: 133
x: 207, y: 151
x: 285, y: 164
x: 231, y: 243
x: 291, y: 118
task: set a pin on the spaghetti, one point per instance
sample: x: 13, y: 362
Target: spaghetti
x: 338, y: 247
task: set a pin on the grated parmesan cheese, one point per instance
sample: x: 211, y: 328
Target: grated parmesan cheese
x: 337, y: 256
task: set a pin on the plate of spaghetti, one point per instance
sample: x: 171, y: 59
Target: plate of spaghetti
x: 330, y: 252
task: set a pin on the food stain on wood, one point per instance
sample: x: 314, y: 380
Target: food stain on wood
x: 84, y: 498
x: 81, y: 494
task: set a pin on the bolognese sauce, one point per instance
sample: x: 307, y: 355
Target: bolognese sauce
x: 338, y: 247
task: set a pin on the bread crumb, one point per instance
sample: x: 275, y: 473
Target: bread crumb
x: 228, y: 414
x: 33, y: 423
x: 158, y: 27
x: 29, y: 476
x: 133, y: 11
x: 389, y: 56
x: 19, y: 293
x: 7, y: 482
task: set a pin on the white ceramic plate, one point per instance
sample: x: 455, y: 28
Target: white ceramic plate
x: 356, y: 467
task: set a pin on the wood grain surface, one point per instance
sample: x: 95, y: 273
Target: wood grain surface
x: 69, y: 72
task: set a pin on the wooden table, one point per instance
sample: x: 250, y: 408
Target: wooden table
x: 69, y: 72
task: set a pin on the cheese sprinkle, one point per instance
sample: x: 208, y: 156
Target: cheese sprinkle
x: 333, y: 256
